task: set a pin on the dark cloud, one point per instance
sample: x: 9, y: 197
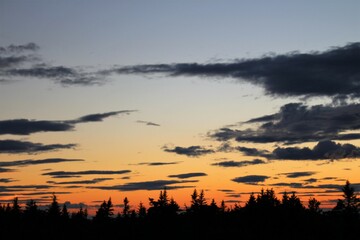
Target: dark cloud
x: 296, y: 122
x: 192, y: 151
x: 226, y: 147
x: 18, y: 188
x: 323, y: 150
x: 329, y: 73
x: 2, y: 170
x: 88, y: 172
x: 157, y: 163
x: 15, y: 146
x: 59, y: 74
x: 148, y: 185
x: 36, y: 162
x: 98, y: 117
x: 252, y: 151
x: 310, y: 180
x: 188, y: 175
x: 233, y: 195
x: 16, y: 62
x: 226, y: 190
x: 11, y: 49
x: 6, y: 180
x: 15, y: 55
x: 239, y: 163
x: 250, y: 179
x: 44, y: 193
x: 26, y: 127
x: 298, y: 174
x: 92, y: 181
x: 148, y: 123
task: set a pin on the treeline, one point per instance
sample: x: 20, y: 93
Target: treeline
x: 263, y: 216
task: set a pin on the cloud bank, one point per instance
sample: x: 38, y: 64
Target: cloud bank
x: 333, y: 72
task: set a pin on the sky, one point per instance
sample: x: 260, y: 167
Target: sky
x: 114, y: 99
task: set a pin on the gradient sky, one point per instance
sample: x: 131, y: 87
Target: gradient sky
x: 120, y: 99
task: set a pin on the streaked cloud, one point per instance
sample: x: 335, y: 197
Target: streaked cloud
x: 250, y: 179
x: 87, y: 172
x: 148, y: 185
x: 148, y: 123
x: 330, y: 73
x: 92, y: 181
x: 37, y: 162
x: 243, y: 163
x: 16, y: 146
x: 26, y: 127
x: 192, y: 151
x: 157, y: 163
x: 188, y: 175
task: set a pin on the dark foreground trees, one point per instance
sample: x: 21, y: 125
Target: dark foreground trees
x: 263, y: 216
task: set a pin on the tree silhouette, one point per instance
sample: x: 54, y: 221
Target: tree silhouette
x: 105, y: 211
x: 126, y: 208
x: 54, y: 209
x: 314, y: 205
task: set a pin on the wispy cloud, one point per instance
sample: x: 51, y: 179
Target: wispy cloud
x: 37, y: 162
x: 243, y: 163
x: 26, y: 127
x: 158, y: 163
x: 329, y: 73
x: 148, y: 123
x: 98, y: 117
x: 6, y: 180
x: 250, y: 179
x: 192, y: 151
x: 148, y: 185
x: 92, y: 181
x: 298, y: 174
x: 15, y: 147
x: 188, y: 175
x: 87, y: 172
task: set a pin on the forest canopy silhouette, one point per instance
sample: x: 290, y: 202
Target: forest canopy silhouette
x: 263, y: 215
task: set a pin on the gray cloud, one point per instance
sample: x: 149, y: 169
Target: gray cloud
x: 192, y: 151
x: 11, y: 49
x: 36, y: 162
x: 92, y: 181
x: 26, y: 127
x: 148, y: 123
x: 298, y: 174
x: 88, y: 172
x: 323, y: 150
x: 188, y: 175
x: 6, y: 180
x: 15, y: 146
x: 250, y: 179
x: 148, y: 185
x: 98, y: 117
x: 329, y: 73
x: 16, y: 62
x: 296, y: 122
x: 2, y: 170
x: 157, y: 163
x: 239, y: 163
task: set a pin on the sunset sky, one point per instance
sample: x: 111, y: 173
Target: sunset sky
x: 121, y: 99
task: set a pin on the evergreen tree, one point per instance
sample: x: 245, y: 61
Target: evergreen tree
x: 126, y: 208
